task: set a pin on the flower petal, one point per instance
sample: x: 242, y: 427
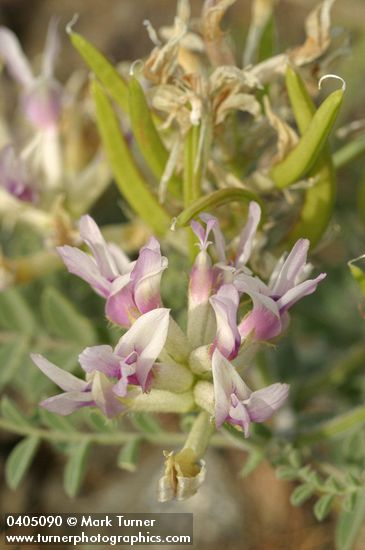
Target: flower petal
x: 238, y: 415
x: 201, y: 280
x: 51, y: 49
x: 81, y: 264
x: 203, y: 234
x: 14, y: 58
x: 218, y: 237
x: 225, y: 305
x: 291, y: 269
x: 120, y: 306
x: 91, y: 235
x: 14, y: 176
x: 147, y: 336
x: 67, y: 403
x: 63, y: 379
x: 294, y: 294
x: 262, y: 320
x: 146, y: 278
x: 100, y: 358
x: 226, y: 381
x: 123, y: 263
x: 105, y: 398
x: 248, y: 234
x: 41, y: 104
x: 262, y: 404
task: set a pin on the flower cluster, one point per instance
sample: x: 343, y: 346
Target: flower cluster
x: 155, y: 366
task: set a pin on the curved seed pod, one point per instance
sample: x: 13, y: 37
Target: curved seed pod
x: 127, y: 176
x: 305, y: 154
x: 103, y: 69
x: 192, y: 172
x: 318, y: 200
x: 213, y: 200
x: 146, y: 134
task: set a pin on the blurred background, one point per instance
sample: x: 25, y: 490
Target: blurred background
x: 254, y: 513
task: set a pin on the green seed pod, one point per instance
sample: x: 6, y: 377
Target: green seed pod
x: 129, y: 180
x: 213, y: 200
x: 147, y: 137
x: 103, y: 69
x: 318, y: 200
x: 302, y: 158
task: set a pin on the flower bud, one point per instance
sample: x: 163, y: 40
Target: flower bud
x: 161, y: 401
x: 204, y: 395
x: 200, y: 314
x: 200, y: 360
x: 172, y: 377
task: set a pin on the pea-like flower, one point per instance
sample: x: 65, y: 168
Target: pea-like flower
x: 14, y: 176
x: 225, y: 305
x: 109, y: 372
x: 130, y: 288
x: 41, y: 96
x: 235, y: 403
x: 269, y: 315
x: 246, y: 238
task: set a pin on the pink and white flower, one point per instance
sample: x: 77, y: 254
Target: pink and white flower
x: 269, y: 316
x: 130, y: 288
x: 14, y: 176
x: 235, y: 403
x: 246, y: 240
x: 41, y: 96
x: 225, y: 305
x: 109, y: 372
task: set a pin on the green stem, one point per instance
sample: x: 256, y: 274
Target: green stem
x: 110, y: 438
x: 200, y: 434
x: 215, y: 199
x: 334, y: 427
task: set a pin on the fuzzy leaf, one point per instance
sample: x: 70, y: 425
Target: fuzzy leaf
x: 301, y: 494
x: 12, y: 354
x: 253, y: 461
x: 55, y: 421
x: 75, y: 468
x: 145, y: 422
x: 97, y: 421
x: 286, y: 473
x: 15, y: 314
x: 129, y: 455
x: 323, y: 507
x: 20, y: 460
x: 11, y: 413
